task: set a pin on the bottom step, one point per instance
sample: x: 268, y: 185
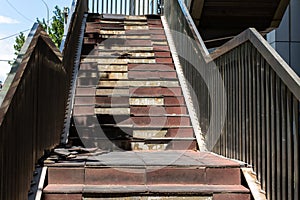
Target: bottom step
x: 174, y: 191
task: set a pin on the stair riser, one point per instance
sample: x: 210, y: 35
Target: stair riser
x: 223, y: 196
x: 142, y: 176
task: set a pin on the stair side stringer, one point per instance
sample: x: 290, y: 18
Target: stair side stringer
x: 186, y: 93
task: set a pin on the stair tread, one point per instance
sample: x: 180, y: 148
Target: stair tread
x: 157, y: 188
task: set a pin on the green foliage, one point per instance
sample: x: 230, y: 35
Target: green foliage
x: 19, y: 41
x: 56, y: 29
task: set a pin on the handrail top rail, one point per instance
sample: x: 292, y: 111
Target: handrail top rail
x: 282, y: 69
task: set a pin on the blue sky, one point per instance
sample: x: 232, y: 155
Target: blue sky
x: 17, y: 16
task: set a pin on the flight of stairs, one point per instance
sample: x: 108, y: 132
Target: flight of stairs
x: 131, y: 116
x: 127, y: 88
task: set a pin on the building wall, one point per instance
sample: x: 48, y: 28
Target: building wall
x: 286, y: 38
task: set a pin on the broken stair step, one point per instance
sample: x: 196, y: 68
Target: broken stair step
x: 125, y: 42
x: 153, y: 37
x: 100, y: 101
x: 124, y: 60
x: 113, y: 92
x: 155, y: 91
x: 164, y: 145
x: 104, y: 101
x: 157, y: 110
x: 123, y: 17
x: 160, y: 121
x: 145, y: 32
x: 115, y: 132
x: 138, y: 83
x: 151, y: 67
x: 103, y: 75
x: 144, y: 121
x: 95, y: 67
x: 151, y: 75
x: 158, y: 140
x: 133, y: 111
x: 105, y: 132
x: 127, y: 54
x: 165, y: 101
x: 119, y: 54
x: 127, y: 37
x: 170, y: 132
x: 112, y: 68
x: 124, y: 48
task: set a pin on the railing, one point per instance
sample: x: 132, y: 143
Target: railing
x: 71, y: 44
x: 248, y: 100
x: 31, y: 114
x: 126, y: 7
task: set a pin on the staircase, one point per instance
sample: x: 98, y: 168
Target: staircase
x: 137, y: 103
x: 131, y: 117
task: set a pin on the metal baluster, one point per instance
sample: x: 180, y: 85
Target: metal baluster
x: 296, y: 133
x: 283, y: 142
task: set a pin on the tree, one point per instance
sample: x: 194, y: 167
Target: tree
x: 19, y: 41
x: 55, y: 31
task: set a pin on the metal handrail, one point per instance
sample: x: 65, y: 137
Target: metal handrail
x: 247, y: 99
x: 71, y: 45
x: 126, y: 7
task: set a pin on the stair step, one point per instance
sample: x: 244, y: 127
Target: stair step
x: 151, y: 67
x: 149, y: 168
x: 138, y: 83
x: 191, y: 189
x: 157, y: 110
x: 121, y: 61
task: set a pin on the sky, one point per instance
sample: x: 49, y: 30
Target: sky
x: 17, y: 16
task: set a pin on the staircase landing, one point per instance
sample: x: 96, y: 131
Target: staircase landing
x: 144, y: 174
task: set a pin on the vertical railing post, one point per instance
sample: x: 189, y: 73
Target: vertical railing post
x: 132, y: 7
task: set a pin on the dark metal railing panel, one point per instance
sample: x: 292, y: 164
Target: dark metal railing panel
x: 126, y: 7
x: 266, y: 125
x: 71, y: 45
x: 31, y: 115
x: 261, y: 104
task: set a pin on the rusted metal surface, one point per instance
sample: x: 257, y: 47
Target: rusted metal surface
x: 32, y: 114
